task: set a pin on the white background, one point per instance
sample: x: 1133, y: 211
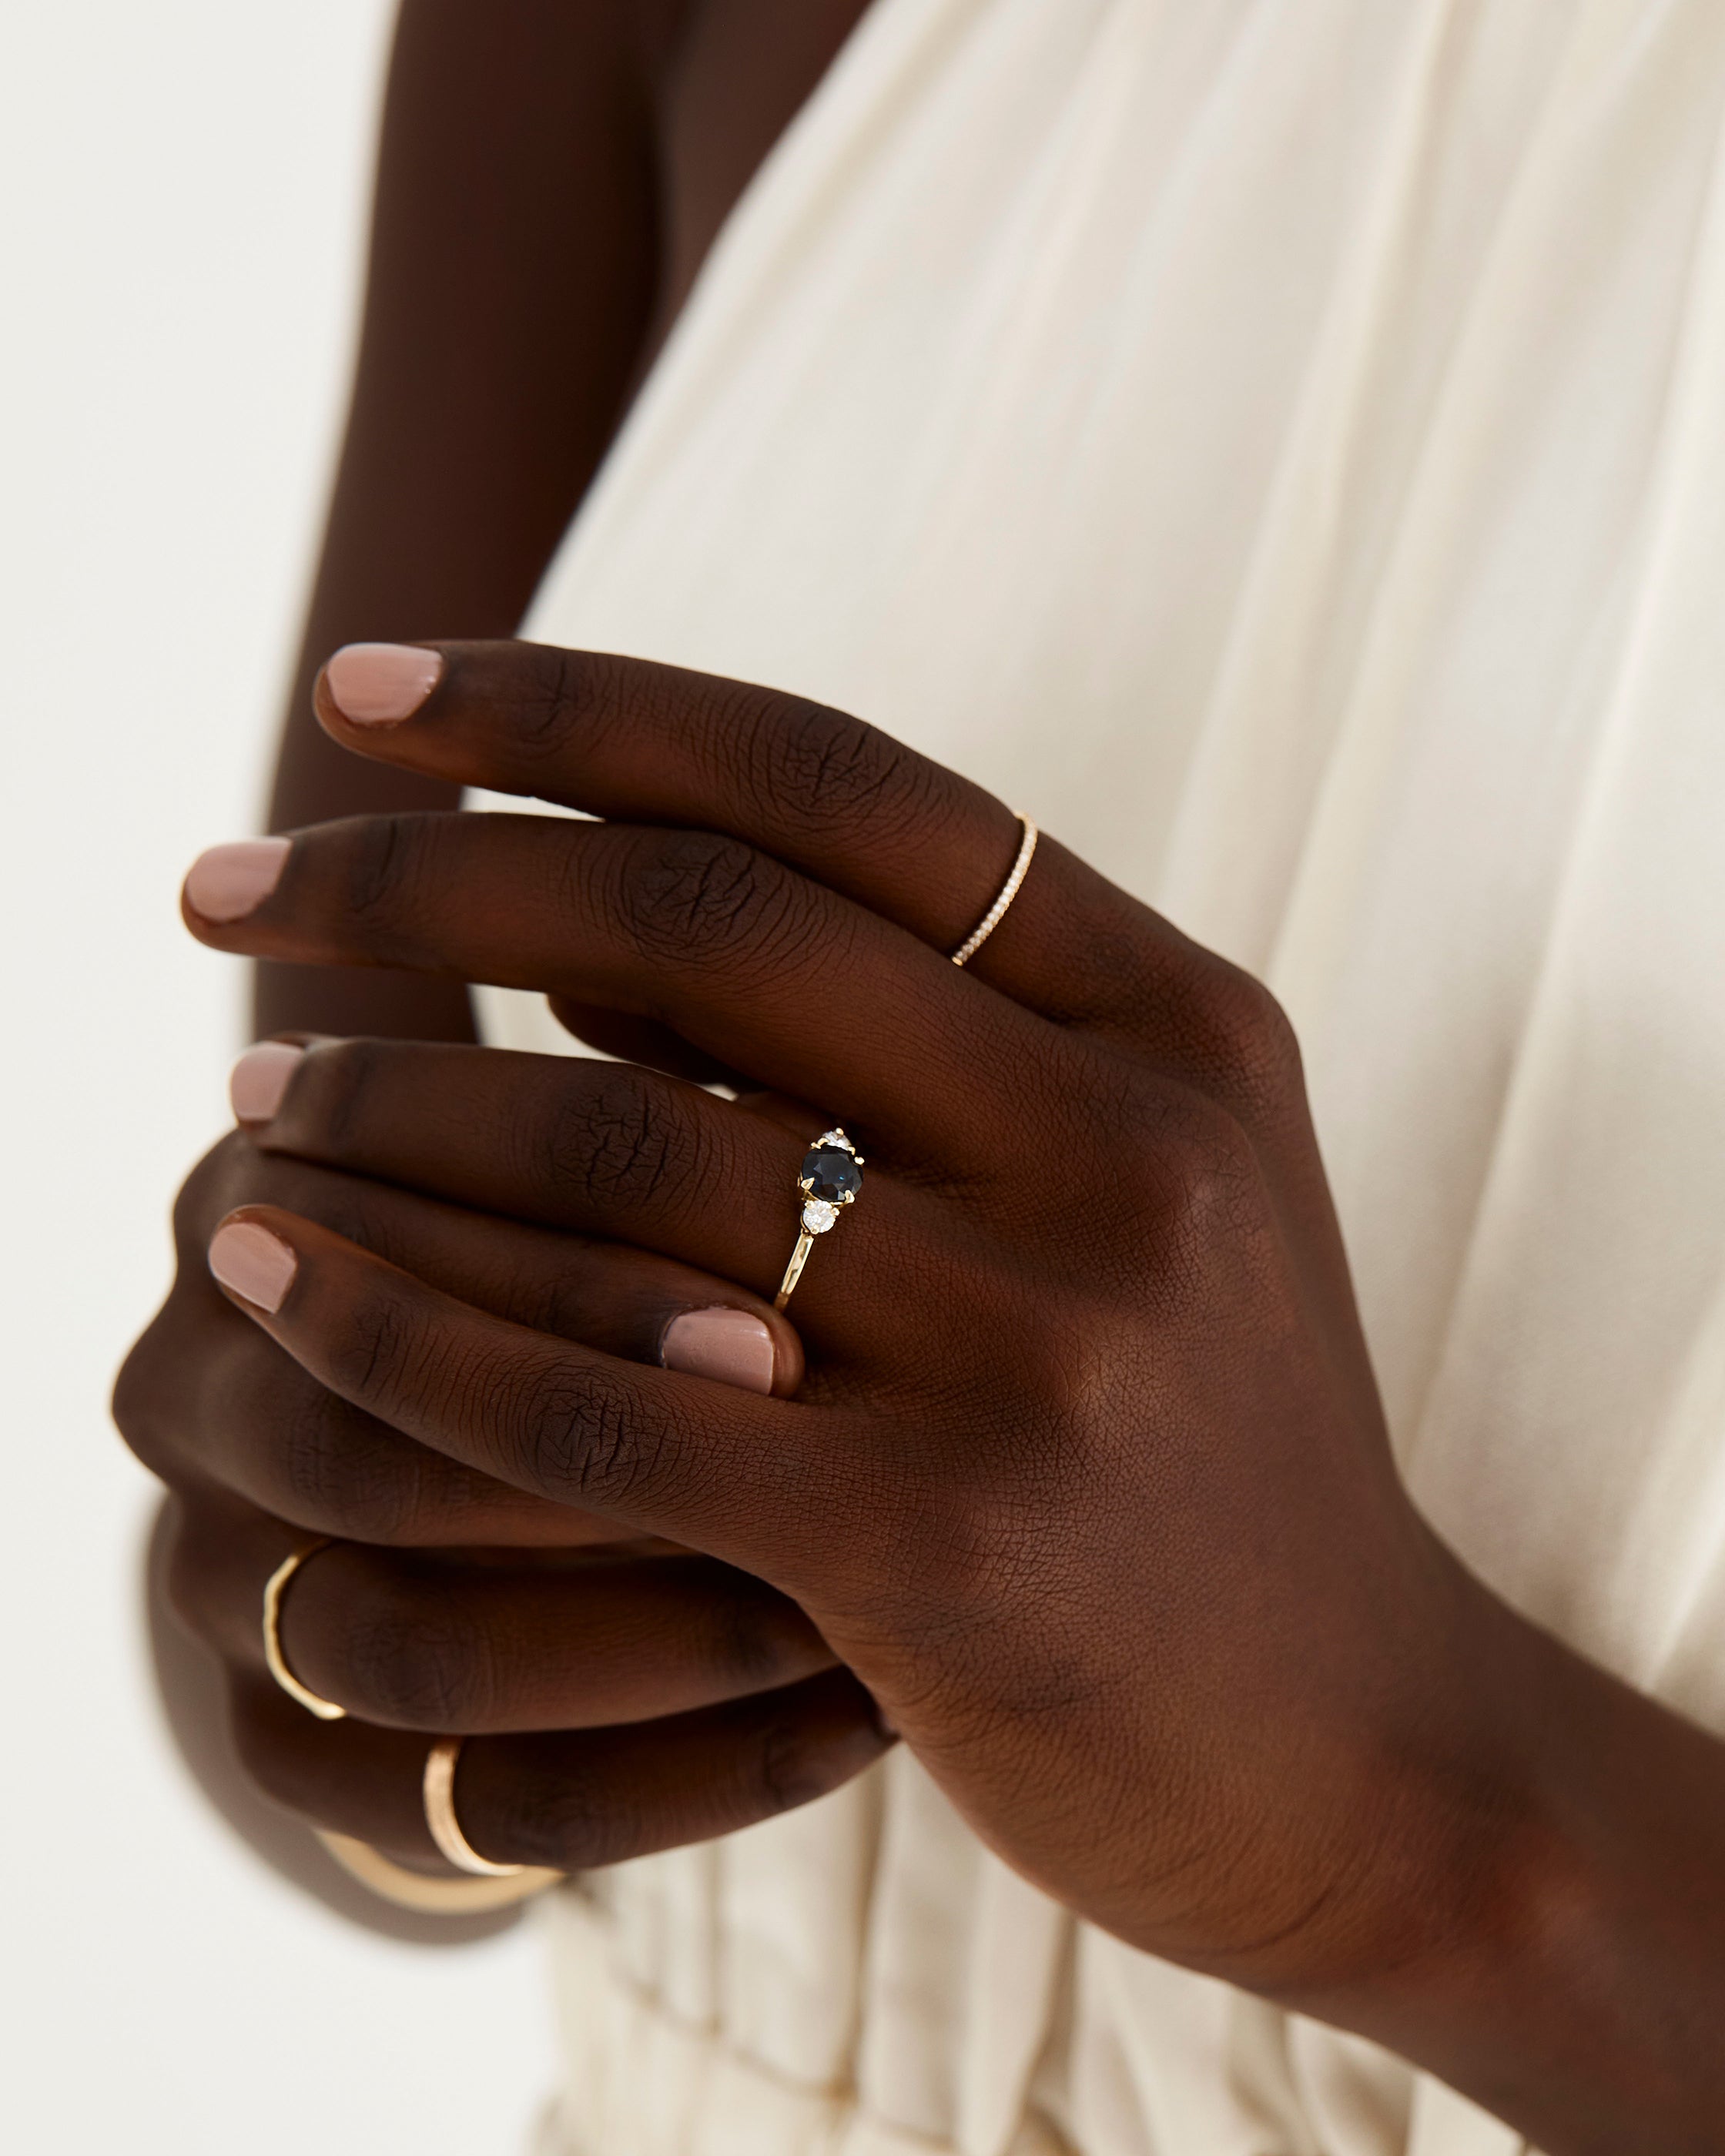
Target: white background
x: 182, y: 187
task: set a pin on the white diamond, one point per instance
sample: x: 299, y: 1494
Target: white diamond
x: 817, y: 1216
x: 835, y: 1138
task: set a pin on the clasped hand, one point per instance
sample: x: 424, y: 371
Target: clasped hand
x: 1085, y: 1491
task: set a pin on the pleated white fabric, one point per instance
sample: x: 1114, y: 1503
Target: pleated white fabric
x: 1280, y: 444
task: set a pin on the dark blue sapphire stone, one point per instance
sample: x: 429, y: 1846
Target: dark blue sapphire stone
x: 830, y: 1173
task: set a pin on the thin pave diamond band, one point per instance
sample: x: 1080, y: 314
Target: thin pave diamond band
x: 1008, y: 892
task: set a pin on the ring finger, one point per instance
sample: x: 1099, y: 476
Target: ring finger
x: 571, y: 1800
x: 460, y: 1641
x: 602, y: 1148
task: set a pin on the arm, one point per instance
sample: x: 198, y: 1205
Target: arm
x: 513, y: 272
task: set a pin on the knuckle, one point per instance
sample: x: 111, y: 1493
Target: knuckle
x: 216, y: 1185
x: 413, y: 1661
x: 335, y: 1081
x: 580, y: 1438
x: 1158, y: 1148
x: 794, y: 1765
x: 694, y: 897
x: 828, y: 770
x: 568, y: 701
x: 1206, y: 1167
x: 758, y: 1641
x: 140, y: 1411
x: 576, y: 1822
x: 383, y: 872
x: 613, y: 1138
x: 1244, y: 1036
x: 375, y: 1340
x: 982, y: 1544
x: 341, y: 1474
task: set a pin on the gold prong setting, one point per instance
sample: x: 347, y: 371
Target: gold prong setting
x: 830, y: 1179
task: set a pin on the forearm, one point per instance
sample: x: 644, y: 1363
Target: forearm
x: 513, y: 270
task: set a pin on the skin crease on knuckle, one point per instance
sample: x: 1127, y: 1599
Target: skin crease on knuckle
x: 614, y: 1138
x: 822, y: 770
x: 413, y: 1664
x: 694, y: 903
x: 576, y: 1437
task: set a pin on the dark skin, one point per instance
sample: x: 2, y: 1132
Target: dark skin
x: 1086, y: 1486
x: 568, y: 163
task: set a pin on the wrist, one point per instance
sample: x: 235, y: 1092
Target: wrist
x: 1541, y: 1921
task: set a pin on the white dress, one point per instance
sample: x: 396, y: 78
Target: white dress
x: 1280, y: 444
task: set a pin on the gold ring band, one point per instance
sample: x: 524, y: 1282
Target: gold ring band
x: 1008, y: 892
x: 828, y: 1181
x: 438, y: 1789
x: 275, y: 1587
x: 425, y: 1896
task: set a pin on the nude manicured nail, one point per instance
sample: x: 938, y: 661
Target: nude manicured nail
x: 254, y: 1263
x: 380, y: 684
x: 227, y: 882
x: 725, y: 1344
x: 257, y: 1082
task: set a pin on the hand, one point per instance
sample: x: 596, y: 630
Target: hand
x: 699, y: 1699
x: 1089, y: 1483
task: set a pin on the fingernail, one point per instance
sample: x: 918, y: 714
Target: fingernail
x: 257, y: 1082
x: 379, y: 685
x: 226, y: 883
x: 254, y: 1263
x: 725, y: 1344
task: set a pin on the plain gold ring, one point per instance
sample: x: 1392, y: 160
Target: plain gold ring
x: 439, y: 1794
x: 275, y: 1587
x: 423, y: 1895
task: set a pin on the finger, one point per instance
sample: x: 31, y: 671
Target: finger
x: 628, y: 739
x: 459, y: 1641
x: 755, y: 966
x: 762, y: 1483
x: 599, y: 1147
x: 205, y: 1398
x: 570, y: 1801
x: 252, y: 1423
x: 610, y: 1295
x: 833, y: 797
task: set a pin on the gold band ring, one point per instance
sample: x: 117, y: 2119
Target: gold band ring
x: 275, y: 1587
x: 1008, y: 892
x: 828, y: 1179
x: 438, y: 1788
x: 422, y: 1893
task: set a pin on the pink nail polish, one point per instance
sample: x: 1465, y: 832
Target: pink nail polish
x: 380, y: 684
x: 257, y: 1082
x: 725, y: 1344
x: 254, y: 1263
x: 227, y: 882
